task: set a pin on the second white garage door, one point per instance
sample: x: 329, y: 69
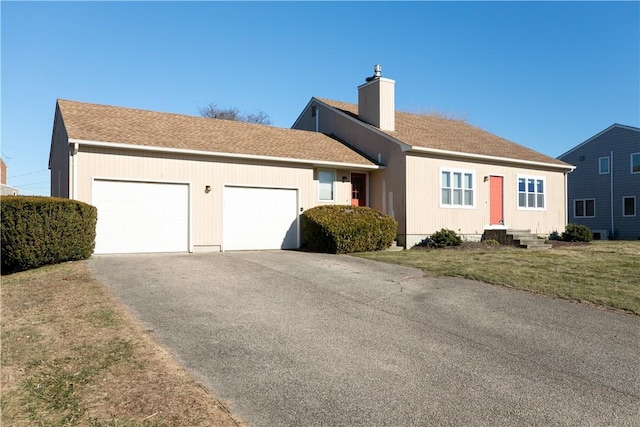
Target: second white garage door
x: 260, y: 218
x: 136, y: 217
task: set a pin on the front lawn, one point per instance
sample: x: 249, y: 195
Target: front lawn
x: 605, y: 273
x: 71, y: 355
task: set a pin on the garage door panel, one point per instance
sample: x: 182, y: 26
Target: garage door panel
x: 260, y: 218
x: 136, y: 217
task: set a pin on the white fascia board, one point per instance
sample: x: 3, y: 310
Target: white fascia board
x: 493, y: 158
x: 220, y: 154
x: 403, y: 146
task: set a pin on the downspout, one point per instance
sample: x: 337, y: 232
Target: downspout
x: 611, y: 195
x: 74, y: 171
x: 566, y: 197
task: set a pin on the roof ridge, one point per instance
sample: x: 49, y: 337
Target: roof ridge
x: 444, y: 134
x: 124, y: 126
x: 143, y: 110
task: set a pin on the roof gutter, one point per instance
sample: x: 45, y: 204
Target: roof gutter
x: 485, y: 157
x: 221, y: 154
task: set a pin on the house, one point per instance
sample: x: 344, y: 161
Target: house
x: 166, y: 182
x: 175, y: 183
x: 5, y: 190
x: 604, y: 189
x: 442, y: 173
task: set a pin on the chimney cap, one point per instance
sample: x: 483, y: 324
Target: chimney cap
x: 377, y: 73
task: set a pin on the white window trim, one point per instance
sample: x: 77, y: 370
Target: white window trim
x: 635, y: 206
x: 333, y: 186
x: 585, y: 208
x: 631, y: 162
x: 608, y: 166
x: 474, y: 188
x: 526, y: 177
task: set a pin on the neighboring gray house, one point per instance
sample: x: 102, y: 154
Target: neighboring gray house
x: 604, y: 189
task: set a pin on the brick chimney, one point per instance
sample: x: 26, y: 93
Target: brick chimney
x: 376, y: 101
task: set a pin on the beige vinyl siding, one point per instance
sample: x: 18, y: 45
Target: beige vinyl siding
x: 425, y: 214
x: 60, y: 164
x: 198, y: 172
x: 386, y: 186
x: 376, y: 103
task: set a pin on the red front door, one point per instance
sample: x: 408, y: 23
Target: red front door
x: 358, y: 189
x: 496, y: 207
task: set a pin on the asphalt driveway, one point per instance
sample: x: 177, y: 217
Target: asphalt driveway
x: 301, y: 339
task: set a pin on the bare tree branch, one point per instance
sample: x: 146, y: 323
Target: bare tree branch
x: 212, y: 111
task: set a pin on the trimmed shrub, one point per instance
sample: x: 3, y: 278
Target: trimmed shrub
x: 444, y: 238
x: 37, y: 231
x: 577, y: 233
x: 425, y: 243
x: 555, y: 236
x: 341, y: 229
x: 441, y: 239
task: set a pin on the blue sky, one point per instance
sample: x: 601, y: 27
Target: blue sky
x: 547, y: 75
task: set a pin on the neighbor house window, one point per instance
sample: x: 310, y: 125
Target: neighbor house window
x: 629, y: 206
x: 585, y: 208
x: 325, y: 184
x: 457, y: 188
x: 635, y: 163
x: 603, y: 163
x: 531, y: 192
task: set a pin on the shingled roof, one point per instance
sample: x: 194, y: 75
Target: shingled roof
x: 118, y: 125
x: 438, y: 133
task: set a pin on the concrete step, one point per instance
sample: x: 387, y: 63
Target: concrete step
x: 524, y: 239
x: 394, y: 247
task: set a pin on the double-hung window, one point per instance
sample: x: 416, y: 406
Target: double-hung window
x: 531, y: 192
x: 457, y: 188
x: 635, y: 162
x: 629, y: 206
x: 584, y: 208
x: 325, y: 185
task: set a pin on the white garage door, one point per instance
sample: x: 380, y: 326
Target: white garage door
x: 137, y: 217
x: 260, y: 218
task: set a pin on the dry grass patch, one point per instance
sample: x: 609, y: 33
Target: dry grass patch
x: 604, y: 273
x: 72, y: 356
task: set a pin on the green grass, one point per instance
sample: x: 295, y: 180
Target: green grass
x: 605, y: 273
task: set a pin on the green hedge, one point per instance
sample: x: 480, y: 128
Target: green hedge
x: 43, y: 230
x: 341, y: 229
x: 577, y: 233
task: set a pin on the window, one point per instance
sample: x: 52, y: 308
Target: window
x: 629, y: 206
x: 584, y: 208
x: 531, y: 192
x: 635, y: 162
x: 603, y: 165
x: 325, y: 184
x: 457, y: 188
